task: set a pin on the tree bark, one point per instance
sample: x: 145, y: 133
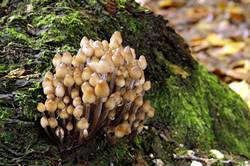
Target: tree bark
x: 193, y: 107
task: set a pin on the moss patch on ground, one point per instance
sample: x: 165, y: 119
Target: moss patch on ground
x: 200, y: 111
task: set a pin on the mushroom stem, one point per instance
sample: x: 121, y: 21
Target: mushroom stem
x: 97, y: 114
x: 87, y: 111
x: 112, y: 82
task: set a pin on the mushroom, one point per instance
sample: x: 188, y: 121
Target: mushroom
x: 101, y: 88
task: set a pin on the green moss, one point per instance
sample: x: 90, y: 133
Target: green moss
x: 204, y: 123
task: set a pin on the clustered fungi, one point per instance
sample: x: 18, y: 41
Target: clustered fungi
x: 98, y: 90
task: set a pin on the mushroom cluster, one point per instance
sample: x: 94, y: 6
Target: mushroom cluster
x: 98, y: 90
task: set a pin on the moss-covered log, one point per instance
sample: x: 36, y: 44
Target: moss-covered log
x: 193, y: 107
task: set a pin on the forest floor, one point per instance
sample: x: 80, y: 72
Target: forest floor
x: 218, y: 32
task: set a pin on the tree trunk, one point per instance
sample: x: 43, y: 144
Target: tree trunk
x: 193, y: 107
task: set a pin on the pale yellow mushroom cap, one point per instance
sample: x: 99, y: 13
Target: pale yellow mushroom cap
x: 70, y: 109
x: 128, y: 56
x: 84, y: 40
x: 60, y: 105
x: 51, y: 105
x: 44, y: 122
x: 114, y: 44
x: 69, y: 126
x: 80, y: 57
x: 120, y: 81
x: 74, y: 93
x: 134, y: 71
x: 94, y: 79
x: 41, y: 107
x: 66, y: 99
x: 105, y: 45
x: 61, y: 70
x: 63, y: 114
x: 129, y: 95
x: 78, y: 111
x: 57, y: 60
x: 88, y: 95
x: 86, y: 73
x: 78, y: 76
x: 119, y: 132
x: 82, y: 124
x: 142, y: 62
x: 110, y: 104
x: 140, y: 128
x: 98, y: 49
x: 139, y: 101
x: 53, y: 122
x: 67, y: 58
x: 47, y: 82
x: 117, y: 58
x: 103, y: 67
x: 48, y: 90
x: 87, y: 50
x: 102, y: 89
x: 116, y: 36
x: 77, y: 101
x: 60, y: 90
x: 51, y: 96
x: 151, y: 113
x: 68, y: 80
x: 147, y: 85
x: 146, y: 106
x: 49, y: 75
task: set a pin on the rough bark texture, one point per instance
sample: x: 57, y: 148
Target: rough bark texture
x: 193, y: 107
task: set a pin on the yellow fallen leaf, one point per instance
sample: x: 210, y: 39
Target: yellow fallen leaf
x: 231, y: 48
x: 15, y: 73
x: 170, y: 3
x: 243, y: 89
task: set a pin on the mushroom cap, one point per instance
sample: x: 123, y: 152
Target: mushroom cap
x: 57, y: 59
x: 63, y: 114
x: 77, y: 101
x: 117, y: 36
x: 134, y: 71
x: 78, y: 111
x: 48, y: 90
x: 41, y: 107
x: 60, y: 90
x: 94, y: 79
x: 67, y: 58
x: 86, y: 73
x: 51, y: 105
x: 44, y: 122
x: 117, y: 58
x: 69, y: 126
x: 82, y: 124
x: 60, y: 105
x: 88, y: 95
x: 53, y: 122
x: 80, y: 57
x: 110, y: 103
x: 147, y: 85
x: 74, y: 93
x: 102, y: 89
x: 61, y: 70
x: 142, y: 62
x: 70, y: 109
x: 68, y: 80
x: 66, y: 99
